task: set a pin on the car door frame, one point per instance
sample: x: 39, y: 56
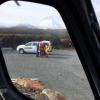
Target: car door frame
x: 78, y: 22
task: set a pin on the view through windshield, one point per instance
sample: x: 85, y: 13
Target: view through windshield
x: 39, y: 54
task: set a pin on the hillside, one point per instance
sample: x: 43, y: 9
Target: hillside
x: 26, y: 29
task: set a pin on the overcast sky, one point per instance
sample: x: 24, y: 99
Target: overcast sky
x: 27, y: 13
x: 31, y: 13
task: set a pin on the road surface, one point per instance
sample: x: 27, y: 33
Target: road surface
x: 62, y: 71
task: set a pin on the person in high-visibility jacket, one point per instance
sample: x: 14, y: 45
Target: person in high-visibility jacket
x: 47, y: 51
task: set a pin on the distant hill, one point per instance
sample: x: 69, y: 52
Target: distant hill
x: 28, y: 29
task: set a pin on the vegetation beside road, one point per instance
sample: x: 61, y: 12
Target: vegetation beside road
x: 13, y: 41
x: 59, y: 38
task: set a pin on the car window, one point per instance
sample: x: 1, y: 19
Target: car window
x: 28, y: 44
x: 47, y: 44
x: 96, y: 6
x: 34, y: 44
x: 41, y: 70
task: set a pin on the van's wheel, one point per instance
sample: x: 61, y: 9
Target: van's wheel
x: 21, y: 51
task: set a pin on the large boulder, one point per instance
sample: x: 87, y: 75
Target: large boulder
x: 53, y: 95
x: 29, y: 83
x: 41, y: 97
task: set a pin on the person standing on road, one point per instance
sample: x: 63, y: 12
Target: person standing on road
x: 46, y: 51
x: 42, y: 49
x: 37, y: 50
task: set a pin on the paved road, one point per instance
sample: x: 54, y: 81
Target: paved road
x: 62, y: 71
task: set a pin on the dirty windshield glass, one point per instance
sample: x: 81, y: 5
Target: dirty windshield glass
x: 39, y: 54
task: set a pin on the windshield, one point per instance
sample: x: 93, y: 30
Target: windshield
x: 49, y: 66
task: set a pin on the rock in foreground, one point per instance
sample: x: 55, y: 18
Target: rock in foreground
x: 37, y: 90
x: 29, y: 83
x: 31, y: 93
x: 53, y: 95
